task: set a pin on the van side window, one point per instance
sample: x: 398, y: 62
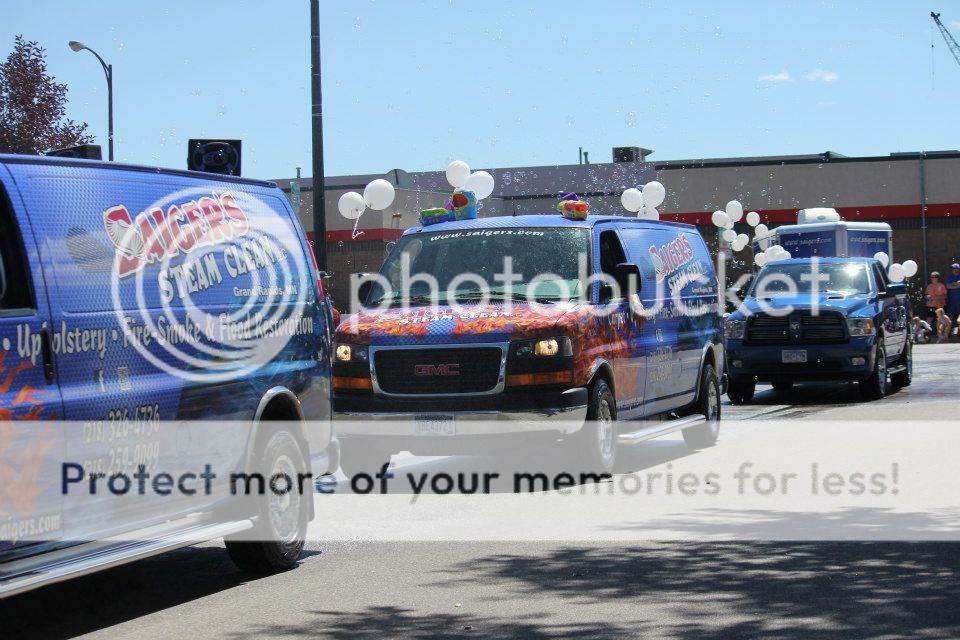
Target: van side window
x: 15, y: 294
x: 611, y: 254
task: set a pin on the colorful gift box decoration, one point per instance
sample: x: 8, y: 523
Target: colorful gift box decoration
x: 464, y: 204
x: 434, y: 216
x: 573, y: 208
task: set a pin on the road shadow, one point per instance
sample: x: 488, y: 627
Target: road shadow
x: 127, y: 592
x: 774, y: 590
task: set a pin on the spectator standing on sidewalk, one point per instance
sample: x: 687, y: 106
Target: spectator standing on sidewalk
x: 936, y: 296
x: 943, y: 326
x: 953, y: 292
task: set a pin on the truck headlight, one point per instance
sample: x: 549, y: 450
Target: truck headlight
x: 547, y: 347
x: 352, y: 353
x: 860, y: 326
x: 733, y: 329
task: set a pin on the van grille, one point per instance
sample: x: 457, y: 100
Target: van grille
x: 478, y: 370
x: 799, y: 327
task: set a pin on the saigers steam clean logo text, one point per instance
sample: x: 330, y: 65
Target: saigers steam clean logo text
x: 155, y: 234
x: 669, y: 257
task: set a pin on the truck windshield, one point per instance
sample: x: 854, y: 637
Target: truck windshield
x: 539, y: 264
x: 803, y: 278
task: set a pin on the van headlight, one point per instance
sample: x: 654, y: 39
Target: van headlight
x: 546, y: 347
x: 352, y: 353
x: 860, y: 326
x: 733, y: 329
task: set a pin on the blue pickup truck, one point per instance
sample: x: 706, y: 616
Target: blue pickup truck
x: 820, y: 319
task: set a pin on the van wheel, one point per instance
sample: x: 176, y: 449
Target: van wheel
x: 595, y: 446
x: 358, y: 457
x: 905, y: 377
x: 707, y: 404
x: 740, y: 389
x: 782, y: 385
x: 278, y: 537
x: 876, y: 386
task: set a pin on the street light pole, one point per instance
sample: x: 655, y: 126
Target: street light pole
x: 108, y: 71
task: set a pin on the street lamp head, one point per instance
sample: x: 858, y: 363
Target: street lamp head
x: 77, y: 46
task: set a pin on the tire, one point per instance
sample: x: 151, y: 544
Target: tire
x: 708, y: 404
x: 905, y: 377
x: 594, y: 447
x: 358, y: 457
x: 877, y: 385
x: 740, y: 389
x: 782, y: 386
x: 278, y: 537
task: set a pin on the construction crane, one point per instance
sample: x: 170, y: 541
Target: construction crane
x: 951, y: 43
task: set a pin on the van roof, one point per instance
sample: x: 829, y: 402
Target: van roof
x: 7, y: 158
x: 543, y: 220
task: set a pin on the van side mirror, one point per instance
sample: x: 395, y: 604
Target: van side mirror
x: 627, y: 275
x: 363, y: 291
x: 896, y: 288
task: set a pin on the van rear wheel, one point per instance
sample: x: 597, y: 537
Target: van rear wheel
x: 279, y: 535
x: 708, y: 404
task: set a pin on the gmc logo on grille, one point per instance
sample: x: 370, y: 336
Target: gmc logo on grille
x: 452, y: 369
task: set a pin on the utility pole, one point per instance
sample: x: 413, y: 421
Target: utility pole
x: 319, y: 193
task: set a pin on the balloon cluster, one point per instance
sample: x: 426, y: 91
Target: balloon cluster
x: 644, y: 202
x: 725, y: 220
x: 460, y: 177
x: 772, y: 254
x: 896, y: 272
x: 378, y: 195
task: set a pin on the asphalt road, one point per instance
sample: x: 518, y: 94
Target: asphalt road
x: 551, y: 589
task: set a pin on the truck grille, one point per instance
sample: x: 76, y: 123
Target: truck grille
x: 825, y: 328
x: 429, y: 371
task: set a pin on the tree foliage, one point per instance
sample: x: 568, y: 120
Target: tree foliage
x: 33, y: 105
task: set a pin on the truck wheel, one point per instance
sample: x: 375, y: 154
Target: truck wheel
x: 740, y: 389
x: 708, y: 404
x: 905, y: 377
x: 782, y: 385
x: 595, y: 446
x: 875, y: 387
x: 362, y: 457
x: 278, y: 537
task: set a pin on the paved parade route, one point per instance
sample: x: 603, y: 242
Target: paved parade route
x: 527, y: 588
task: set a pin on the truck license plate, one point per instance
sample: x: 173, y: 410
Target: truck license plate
x: 794, y: 356
x: 434, y: 424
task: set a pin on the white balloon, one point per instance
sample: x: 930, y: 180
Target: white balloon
x: 654, y: 194
x: 753, y: 218
x: 379, y: 194
x: 760, y: 259
x: 720, y: 219
x: 649, y: 213
x: 743, y: 239
x: 882, y: 257
x: 761, y: 230
x: 481, y: 183
x: 734, y: 210
x: 909, y: 268
x: 785, y: 255
x: 737, y: 245
x: 729, y: 235
x: 457, y: 173
x: 632, y: 199
x: 896, y: 273
x: 351, y: 205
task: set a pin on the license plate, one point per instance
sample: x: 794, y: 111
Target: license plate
x: 793, y: 356
x: 434, y: 424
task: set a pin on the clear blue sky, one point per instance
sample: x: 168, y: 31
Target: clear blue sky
x: 504, y: 83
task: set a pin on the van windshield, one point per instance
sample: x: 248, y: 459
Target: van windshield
x: 541, y: 264
x: 803, y: 278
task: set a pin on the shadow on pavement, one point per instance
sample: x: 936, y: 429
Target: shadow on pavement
x: 123, y: 593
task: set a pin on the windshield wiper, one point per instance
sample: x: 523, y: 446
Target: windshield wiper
x: 421, y: 299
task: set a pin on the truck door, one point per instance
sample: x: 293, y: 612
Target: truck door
x: 31, y: 447
x: 893, y: 313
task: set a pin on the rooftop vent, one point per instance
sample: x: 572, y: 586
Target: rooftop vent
x: 631, y: 154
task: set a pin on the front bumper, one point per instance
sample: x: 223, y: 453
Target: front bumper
x: 824, y: 361
x: 555, y: 413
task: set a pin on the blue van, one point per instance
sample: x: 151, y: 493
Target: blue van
x: 608, y: 322
x: 158, y: 321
